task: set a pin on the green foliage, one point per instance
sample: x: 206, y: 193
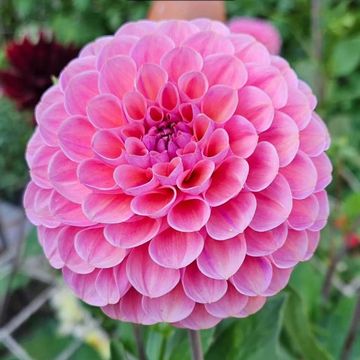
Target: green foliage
x: 15, y: 130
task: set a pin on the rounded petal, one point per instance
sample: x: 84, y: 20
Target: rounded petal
x: 280, y: 278
x: 304, y: 213
x: 323, y: 169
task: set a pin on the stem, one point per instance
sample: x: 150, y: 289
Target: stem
x: 138, y: 334
x: 351, y: 335
x: 195, y: 343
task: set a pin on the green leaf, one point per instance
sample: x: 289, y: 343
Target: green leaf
x: 117, y: 351
x: 298, y: 328
x: 252, y: 338
x: 346, y: 56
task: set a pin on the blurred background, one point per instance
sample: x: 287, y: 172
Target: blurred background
x: 316, y: 318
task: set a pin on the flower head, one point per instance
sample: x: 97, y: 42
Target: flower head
x: 262, y: 30
x: 178, y: 173
x: 32, y: 66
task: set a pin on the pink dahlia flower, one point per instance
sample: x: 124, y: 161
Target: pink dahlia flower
x: 178, y: 173
x: 261, y: 30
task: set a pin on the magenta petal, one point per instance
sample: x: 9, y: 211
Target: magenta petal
x: 256, y: 106
x: 219, y: 103
x: 222, y: 259
x: 243, y: 136
x: 232, y: 218
x: 226, y: 70
x: 280, y: 278
x: 253, y: 277
x: 180, y: 61
x: 169, y: 97
x: 84, y: 286
x: 108, y: 146
x: 168, y: 172
x: 109, y: 83
x: 155, y: 203
x: 92, y: 247
x: 63, y: 176
x: 80, y: 90
x: 201, y: 288
x: 304, y: 213
x: 263, y: 167
x: 292, y: 251
x: 217, y: 147
x: 266, y: 242
x: 48, y: 240
x: 314, y: 238
x: 39, y: 168
x: 192, y: 86
x: 171, y: 307
x: 301, y: 175
x: 134, y: 232
x: 227, y: 181
x: 75, y: 136
x: 68, y: 254
x: 324, y: 210
x: 177, y: 30
x: 105, y: 112
x: 199, y: 319
x: 189, y: 215
x: 174, y: 249
x: 284, y: 135
x: 108, y: 208
x: 273, y: 205
x: 230, y: 305
x: 144, y: 274
x: 324, y: 169
x: 254, y: 304
x: 150, y: 79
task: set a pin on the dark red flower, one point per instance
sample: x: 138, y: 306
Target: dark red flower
x: 32, y: 66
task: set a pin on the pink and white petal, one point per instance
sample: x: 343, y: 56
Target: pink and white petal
x: 76, y: 66
x: 134, y: 180
x: 314, y: 238
x: 36, y: 141
x: 177, y: 30
x: 227, y: 181
x: 137, y: 28
x: 83, y: 286
x: 266, y: 242
x: 253, y: 277
x: 279, y: 280
x: 108, y: 146
x: 96, y: 175
x: 189, y: 215
x: 301, y: 176
x: 284, y: 135
x: 256, y: 106
x: 48, y: 240
x: 109, y: 80
x: 304, y: 213
x: 211, y: 25
x: 68, y: 254
x: 151, y: 48
x: 174, y: 249
x: 219, y: 103
x: 222, y: 259
x: 181, y: 60
x: 324, y: 211
x: 273, y: 205
x: 155, y: 203
x: 263, y: 167
x: 63, y: 177
x: 150, y: 79
x: 75, y: 136
x: 199, y: 319
x: 144, y: 274
x: 134, y: 106
x: 107, y: 208
x: 51, y: 96
x: 94, y: 47
x: 293, y: 251
x: 270, y: 80
x: 231, y: 218
x: 243, y: 136
x: 324, y: 169
x: 79, y: 91
x: 192, y: 86
x: 254, y: 304
x: 132, y: 233
x: 315, y: 138
x: 67, y: 211
x: 171, y: 307
x: 105, y: 112
x: 230, y: 305
x: 40, y: 165
x: 226, y: 70
x: 92, y: 247
x: 209, y: 42
x: 200, y: 288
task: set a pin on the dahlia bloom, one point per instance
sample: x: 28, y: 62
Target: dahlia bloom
x: 262, y: 30
x: 178, y: 173
x: 32, y: 65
